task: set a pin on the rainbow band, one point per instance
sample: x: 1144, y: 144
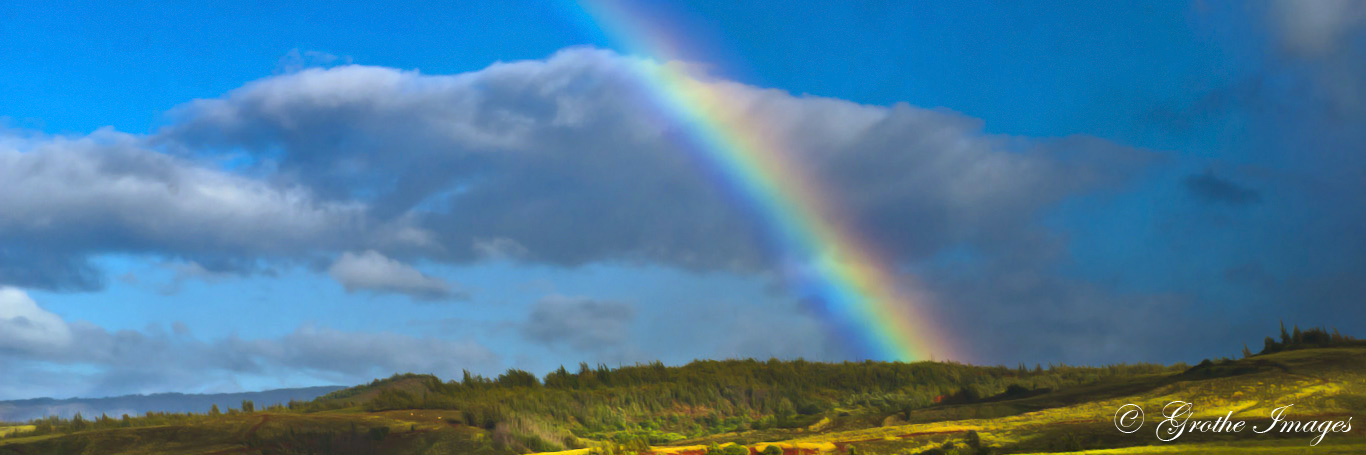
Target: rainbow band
x: 855, y: 286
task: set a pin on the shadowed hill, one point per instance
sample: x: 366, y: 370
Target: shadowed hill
x: 23, y: 410
x: 796, y: 407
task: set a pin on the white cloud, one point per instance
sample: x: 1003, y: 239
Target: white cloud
x: 64, y: 199
x: 38, y: 347
x: 372, y: 271
x: 28, y: 328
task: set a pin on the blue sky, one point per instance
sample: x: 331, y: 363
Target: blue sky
x: 226, y: 197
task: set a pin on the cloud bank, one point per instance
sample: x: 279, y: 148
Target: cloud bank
x: 550, y: 162
x: 45, y: 355
x: 366, y: 173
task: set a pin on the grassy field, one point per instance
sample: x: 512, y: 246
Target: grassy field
x: 1322, y: 384
x: 6, y: 430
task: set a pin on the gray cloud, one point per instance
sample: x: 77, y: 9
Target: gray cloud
x: 43, y: 345
x: 373, y: 272
x: 1324, y: 37
x: 580, y: 323
x: 562, y: 158
x: 65, y: 199
x: 1038, y: 316
x: 558, y: 161
x: 1212, y: 188
x: 1324, y: 53
x: 360, y: 355
x: 1283, y: 135
x: 1316, y: 28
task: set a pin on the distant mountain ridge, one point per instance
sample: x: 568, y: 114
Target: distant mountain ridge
x: 24, y: 410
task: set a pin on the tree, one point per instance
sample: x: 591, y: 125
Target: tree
x: 518, y: 378
x: 1246, y: 352
x: 773, y: 450
x: 735, y: 449
x: 785, y: 409
x: 77, y: 422
x: 213, y: 411
x: 248, y: 406
x: 973, y: 440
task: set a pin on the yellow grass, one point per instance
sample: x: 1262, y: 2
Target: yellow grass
x: 15, y: 429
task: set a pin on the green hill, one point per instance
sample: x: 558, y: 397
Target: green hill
x: 871, y: 408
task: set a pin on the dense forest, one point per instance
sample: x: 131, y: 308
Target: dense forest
x: 660, y: 404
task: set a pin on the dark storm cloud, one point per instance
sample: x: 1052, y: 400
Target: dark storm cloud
x: 1323, y: 47
x: 1212, y: 188
x: 1285, y: 137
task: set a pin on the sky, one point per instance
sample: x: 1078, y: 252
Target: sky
x: 227, y: 196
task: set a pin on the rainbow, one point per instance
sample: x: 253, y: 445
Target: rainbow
x: 826, y: 259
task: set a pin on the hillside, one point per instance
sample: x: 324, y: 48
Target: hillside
x: 24, y: 410
x: 871, y: 408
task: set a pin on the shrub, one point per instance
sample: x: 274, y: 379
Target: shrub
x: 973, y: 439
x: 735, y: 449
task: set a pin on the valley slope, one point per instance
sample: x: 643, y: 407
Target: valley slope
x: 865, y: 408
